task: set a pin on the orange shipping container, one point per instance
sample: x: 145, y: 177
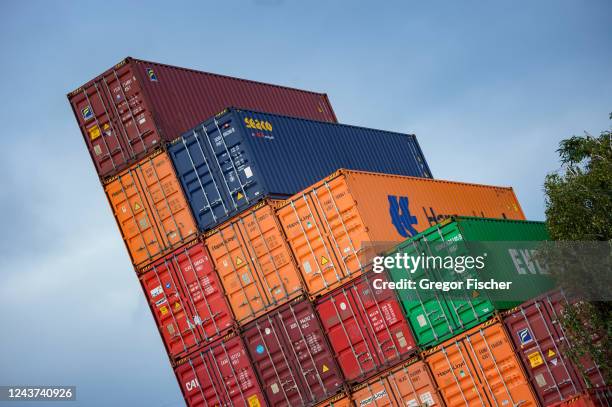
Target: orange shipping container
x: 479, y: 368
x: 339, y: 400
x: 330, y: 224
x: 150, y: 209
x: 409, y: 384
x: 254, y: 262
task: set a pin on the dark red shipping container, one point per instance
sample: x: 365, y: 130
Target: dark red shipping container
x: 556, y: 302
x: 186, y: 299
x: 136, y: 105
x: 366, y: 327
x: 540, y: 342
x: 291, y: 356
x: 219, y: 375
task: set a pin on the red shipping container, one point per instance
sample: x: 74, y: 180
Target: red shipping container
x: 540, y: 341
x: 291, y: 356
x: 219, y: 375
x: 599, y: 397
x: 186, y: 299
x: 366, y: 327
x: 134, y: 106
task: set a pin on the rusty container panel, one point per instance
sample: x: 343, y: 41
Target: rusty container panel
x: 541, y: 343
x: 330, y: 224
x: 134, y: 107
x: 291, y: 356
x: 186, y: 299
x: 150, y: 209
x: 254, y: 262
x: 480, y: 368
x: 366, y: 327
x: 219, y: 375
x: 413, y: 385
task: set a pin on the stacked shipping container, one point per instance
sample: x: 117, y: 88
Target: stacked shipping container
x: 257, y: 264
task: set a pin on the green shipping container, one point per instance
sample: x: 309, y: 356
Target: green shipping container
x: 507, y: 248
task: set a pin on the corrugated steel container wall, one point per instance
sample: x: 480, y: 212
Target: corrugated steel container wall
x: 330, y: 224
x: 539, y: 341
x: 150, y: 209
x: 597, y: 397
x: 254, y: 262
x: 414, y: 385
x: 409, y: 384
x: 480, y: 368
x: 219, y: 375
x: 231, y: 161
x: 366, y: 327
x: 436, y: 315
x: 134, y: 106
x: 291, y: 356
x: 339, y: 400
x: 557, y: 301
x: 186, y: 299
x: 376, y: 392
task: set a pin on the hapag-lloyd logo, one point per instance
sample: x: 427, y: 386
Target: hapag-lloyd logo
x: 404, y: 221
x: 401, y: 217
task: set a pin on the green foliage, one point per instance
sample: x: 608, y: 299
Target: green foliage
x: 579, y: 208
x: 579, y: 197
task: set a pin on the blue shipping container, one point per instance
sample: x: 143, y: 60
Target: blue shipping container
x: 239, y: 157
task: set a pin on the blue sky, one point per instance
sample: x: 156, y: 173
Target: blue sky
x: 489, y: 87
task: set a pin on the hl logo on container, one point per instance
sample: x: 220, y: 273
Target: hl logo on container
x: 401, y: 217
x: 404, y: 221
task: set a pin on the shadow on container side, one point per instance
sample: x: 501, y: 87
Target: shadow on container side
x: 220, y: 374
x: 330, y: 224
x: 186, y: 299
x: 409, y: 384
x: 254, y: 262
x: 150, y: 209
x: 366, y: 327
x: 291, y: 356
x: 480, y: 368
x: 541, y: 343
